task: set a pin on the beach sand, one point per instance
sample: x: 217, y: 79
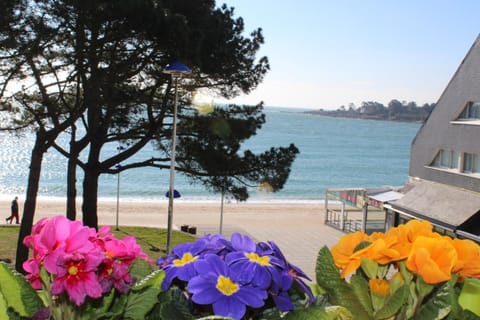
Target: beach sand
x: 298, y: 229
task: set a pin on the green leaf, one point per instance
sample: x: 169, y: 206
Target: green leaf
x: 370, y: 267
x: 339, y: 290
x: 118, y: 306
x: 18, y: 293
x: 468, y: 296
x: 468, y: 315
x: 140, y: 268
x: 101, y: 307
x: 3, y: 307
x: 316, y: 289
x: 382, y: 271
x: 423, y: 288
x: 320, y: 313
x: 362, y: 245
x: 339, y: 313
x: 154, y: 279
x: 312, y: 313
x: 173, y: 305
x: 393, y: 303
x: 361, y: 289
x: 140, y: 303
x: 407, y: 275
x: 440, y: 304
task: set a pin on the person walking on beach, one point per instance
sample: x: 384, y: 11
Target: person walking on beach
x: 14, y: 210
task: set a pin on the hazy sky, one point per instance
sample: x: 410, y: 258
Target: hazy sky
x: 328, y: 53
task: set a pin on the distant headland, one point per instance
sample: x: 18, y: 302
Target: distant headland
x: 395, y: 111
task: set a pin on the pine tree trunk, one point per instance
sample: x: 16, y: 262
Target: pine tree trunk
x: 72, y: 179
x: 31, y: 200
x: 90, y: 197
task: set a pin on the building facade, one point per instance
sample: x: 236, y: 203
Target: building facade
x: 445, y: 159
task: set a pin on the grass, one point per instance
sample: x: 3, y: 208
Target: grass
x: 152, y: 240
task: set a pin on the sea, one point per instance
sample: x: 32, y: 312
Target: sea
x: 334, y: 153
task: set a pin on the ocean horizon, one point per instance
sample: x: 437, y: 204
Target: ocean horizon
x: 334, y: 152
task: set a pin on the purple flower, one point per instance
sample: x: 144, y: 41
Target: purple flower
x: 218, y: 285
x: 180, y: 263
x: 294, y: 272
x: 252, y: 263
x: 215, y: 244
x: 279, y: 292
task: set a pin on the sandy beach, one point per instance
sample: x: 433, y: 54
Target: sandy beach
x: 298, y: 229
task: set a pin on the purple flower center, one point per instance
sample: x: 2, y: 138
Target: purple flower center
x: 226, y: 286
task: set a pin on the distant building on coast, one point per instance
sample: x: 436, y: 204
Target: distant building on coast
x: 445, y: 159
x: 444, y: 172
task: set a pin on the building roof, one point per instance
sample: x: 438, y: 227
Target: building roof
x: 386, y: 196
x: 441, y: 204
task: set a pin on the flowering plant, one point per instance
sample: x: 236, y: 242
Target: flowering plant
x: 235, y: 278
x: 409, y: 272
x: 78, y: 274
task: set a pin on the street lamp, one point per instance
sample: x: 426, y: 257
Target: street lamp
x: 118, y: 166
x: 176, y: 70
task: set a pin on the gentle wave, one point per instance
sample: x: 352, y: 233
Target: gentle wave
x: 6, y: 197
x: 334, y: 152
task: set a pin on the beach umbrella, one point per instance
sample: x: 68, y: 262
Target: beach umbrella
x: 176, y: 194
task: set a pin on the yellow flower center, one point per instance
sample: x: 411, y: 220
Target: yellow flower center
x: 186, y: 259
x: 253, y: 257
x: 72, y: 270
x: 226, y: 286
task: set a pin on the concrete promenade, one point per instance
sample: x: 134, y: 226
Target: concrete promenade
x: 298, y: 229
x: 299, y: 232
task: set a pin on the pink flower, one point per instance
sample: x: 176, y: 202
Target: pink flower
x: 56, y: 236
x: 85, y: 263
x: 120, y: 254
x: 32, y: 267
x: 60, y: 236
x: 76, y: 274
x: 114, y: 273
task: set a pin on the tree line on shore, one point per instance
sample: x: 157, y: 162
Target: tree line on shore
x: 395, y: 110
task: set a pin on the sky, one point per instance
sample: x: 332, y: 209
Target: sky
x: 329, y: 53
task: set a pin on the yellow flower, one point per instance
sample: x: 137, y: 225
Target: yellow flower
x: 379, y: 287
x: 382, y: 251
x: 468, y: 264
x: 343, y: 252
x: 376, y: 235
x: 432, y: 258
x: 404, y: 235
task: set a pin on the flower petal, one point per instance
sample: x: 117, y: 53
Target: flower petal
x: 229, y: 307
x: 251, y: 296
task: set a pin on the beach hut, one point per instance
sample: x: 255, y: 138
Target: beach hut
x: 358, y: 209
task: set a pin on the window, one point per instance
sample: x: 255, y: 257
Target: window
x: 471, y: 111
x: 454, y: 159
x: 446, y: 159
x: 471, y: 163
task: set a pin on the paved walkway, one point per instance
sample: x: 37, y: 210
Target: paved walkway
x: 299, y: 235
x: 298, y: 230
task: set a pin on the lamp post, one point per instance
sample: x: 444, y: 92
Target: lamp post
x: 175, y: 70
x: 118, y: 166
